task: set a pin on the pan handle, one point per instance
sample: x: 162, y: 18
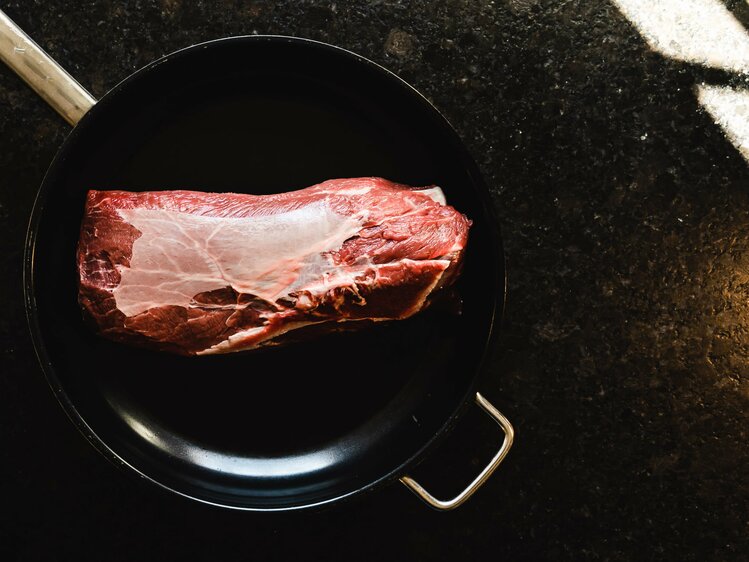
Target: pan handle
x: 446, y: 505
x: 40, y: 71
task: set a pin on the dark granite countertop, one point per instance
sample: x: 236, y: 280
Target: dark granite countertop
x: 624, y: 356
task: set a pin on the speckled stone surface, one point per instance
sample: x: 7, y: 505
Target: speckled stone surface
x: 624, y: 356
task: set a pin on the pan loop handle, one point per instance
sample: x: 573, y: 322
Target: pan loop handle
x: 446, y: 505
x: 40, y: 71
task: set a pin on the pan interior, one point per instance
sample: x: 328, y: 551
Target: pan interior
x: 282, y: 427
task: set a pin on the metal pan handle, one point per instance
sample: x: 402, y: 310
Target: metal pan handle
x: 446, y: 505
x: 40, y: 71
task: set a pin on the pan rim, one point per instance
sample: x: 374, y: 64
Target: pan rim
x: 496, y: 301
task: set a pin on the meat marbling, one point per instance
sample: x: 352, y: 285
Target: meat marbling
x: 199, y: 273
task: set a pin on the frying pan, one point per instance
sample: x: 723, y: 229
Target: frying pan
x: 277, y: 429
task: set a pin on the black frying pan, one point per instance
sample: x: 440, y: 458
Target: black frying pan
x: 277, y: 429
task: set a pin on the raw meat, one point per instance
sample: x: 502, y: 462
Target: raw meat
x: 201, y: 273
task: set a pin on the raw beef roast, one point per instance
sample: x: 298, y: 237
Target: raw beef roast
x: 200, y: 273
